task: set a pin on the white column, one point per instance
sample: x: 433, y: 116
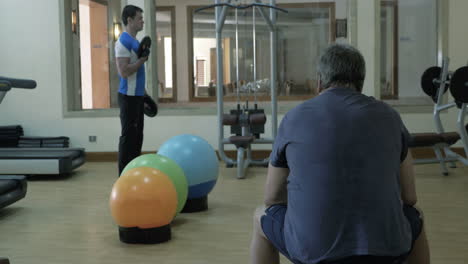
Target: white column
x: 352, y: 22
x: 368, y: 42
x: 152, y: 64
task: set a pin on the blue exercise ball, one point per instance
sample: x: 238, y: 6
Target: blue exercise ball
x: 198, y: 160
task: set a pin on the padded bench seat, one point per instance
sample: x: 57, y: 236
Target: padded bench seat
x: 439, y: 143
x: 431, y: 139
x: 241, y: 141
x: 450, y: 137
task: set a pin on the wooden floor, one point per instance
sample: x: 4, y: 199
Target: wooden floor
x: 67, y: 220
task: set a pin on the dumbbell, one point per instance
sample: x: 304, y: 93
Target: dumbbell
x: 144, y: 48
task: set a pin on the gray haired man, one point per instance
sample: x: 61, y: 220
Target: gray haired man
x: 340, y: 183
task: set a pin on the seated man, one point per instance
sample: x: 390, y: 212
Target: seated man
x: 340, y: 184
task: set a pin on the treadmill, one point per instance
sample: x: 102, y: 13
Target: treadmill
x: 36, y: 161
x: 12, y: 189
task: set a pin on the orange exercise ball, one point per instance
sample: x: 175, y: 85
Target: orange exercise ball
x: 143, y: 198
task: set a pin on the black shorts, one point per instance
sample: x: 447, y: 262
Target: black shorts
x: 273, y: 225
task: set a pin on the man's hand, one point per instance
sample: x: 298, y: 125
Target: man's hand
x: 144, y: 48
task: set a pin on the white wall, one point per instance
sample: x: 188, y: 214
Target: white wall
x: 30, y: 48
x: 458, y: 37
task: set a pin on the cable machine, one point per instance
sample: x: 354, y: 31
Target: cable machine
x: 246, y: 122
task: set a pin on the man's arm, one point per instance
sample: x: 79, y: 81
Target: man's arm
x: 408, y: 188
x: 276, y: 186
x: 126, y: 68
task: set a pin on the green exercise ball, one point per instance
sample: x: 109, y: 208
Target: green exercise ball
x: 168, y: 167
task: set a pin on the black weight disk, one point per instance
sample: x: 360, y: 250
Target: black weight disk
x: 459, y: 85
x: 150, y: 108
x: 428, y: 83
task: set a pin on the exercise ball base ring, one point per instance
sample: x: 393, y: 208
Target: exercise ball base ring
x: 196, y: 205
x: 135, y: 235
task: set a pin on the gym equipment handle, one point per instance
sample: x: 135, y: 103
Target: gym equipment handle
x: 5, y: 86
x: 20, y: 83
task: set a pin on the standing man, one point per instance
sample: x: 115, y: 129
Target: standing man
x: 131, y: 71
x: 340, y: 184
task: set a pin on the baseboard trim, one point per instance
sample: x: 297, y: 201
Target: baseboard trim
x: 418, y: 153
x: 113, y: 156
x: 101, y: 156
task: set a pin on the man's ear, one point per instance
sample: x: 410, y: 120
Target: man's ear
x: 319, y: 83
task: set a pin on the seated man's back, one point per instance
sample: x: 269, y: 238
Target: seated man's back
x: 343, y: 151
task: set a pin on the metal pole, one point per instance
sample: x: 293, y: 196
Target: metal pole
x: 440, y: 93
x: 273, y: 69
x: 219, y: 84
x: 446, y: 106
x: 237, y: 57
x: 221, y: 18
x: 254, y: 56
x: 267, y: 19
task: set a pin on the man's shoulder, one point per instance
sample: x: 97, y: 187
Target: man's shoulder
x: 301, y: 111
x: 383, y: 105
x: 308, y: 105
x: 126, y: 40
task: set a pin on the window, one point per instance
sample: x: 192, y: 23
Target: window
x: 409, y: 45
x: 303, y: 33
x: 91, y: 79
x: 165, y: 31
x: 91, y: 74
x: 94, y: 54
x: 389, y: 50
x: 200, y: 72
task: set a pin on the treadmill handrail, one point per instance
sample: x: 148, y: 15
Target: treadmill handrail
x: 5, y: 86
x: 19, y: 83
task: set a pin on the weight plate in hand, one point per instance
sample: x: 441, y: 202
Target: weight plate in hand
x: 150, y: 108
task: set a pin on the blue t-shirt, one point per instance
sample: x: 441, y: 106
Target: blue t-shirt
x: 343, y: 150
x: 127, y: 47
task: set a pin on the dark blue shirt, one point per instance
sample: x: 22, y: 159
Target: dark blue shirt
x: 343, y: 150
